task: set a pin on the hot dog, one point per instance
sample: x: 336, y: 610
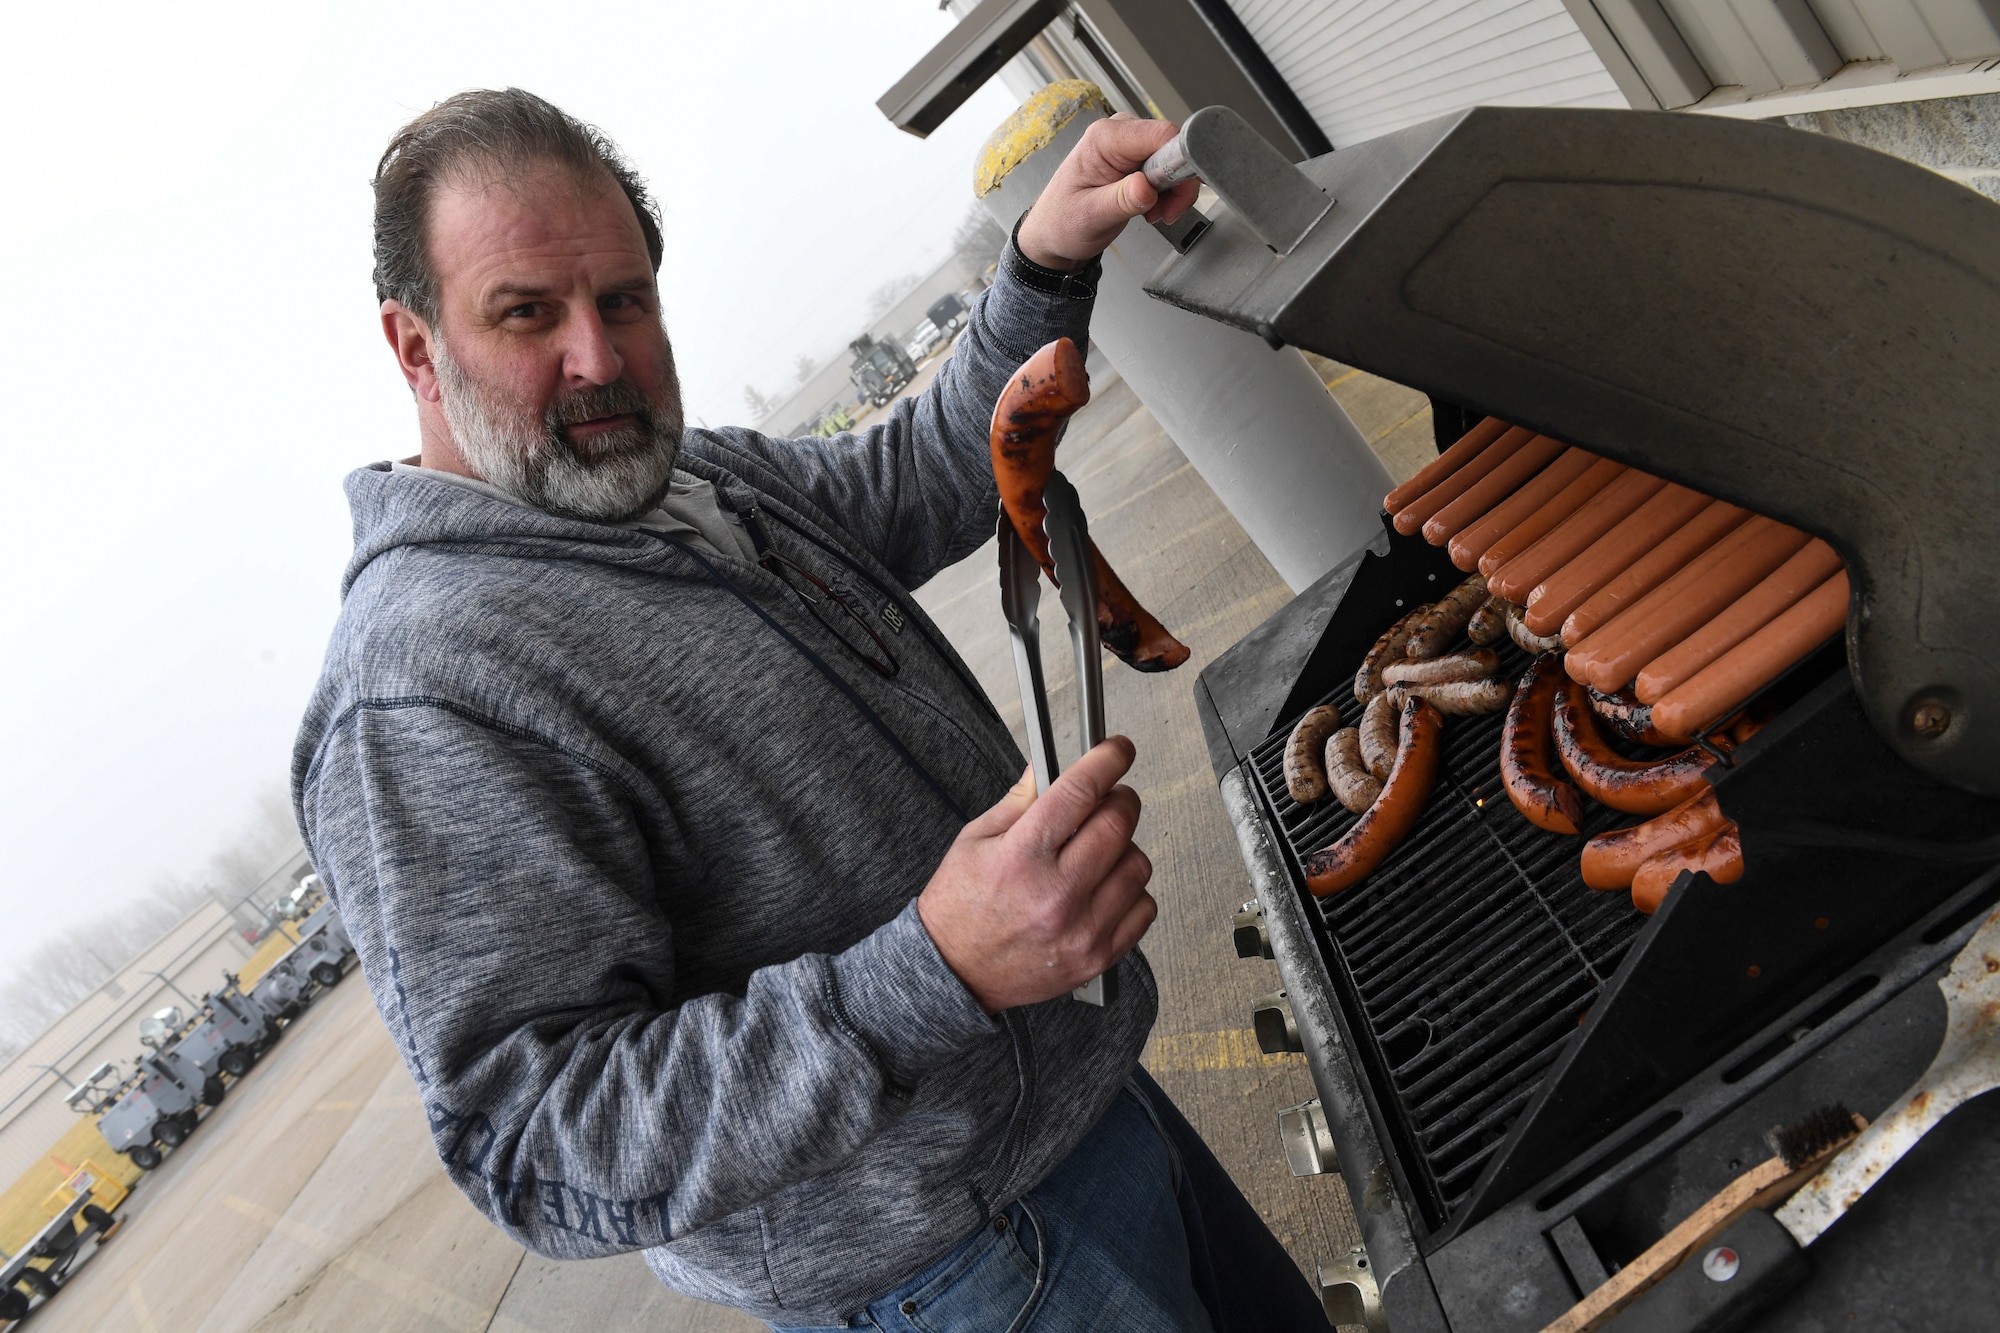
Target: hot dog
x: 1439, y: 625
x: 1489, y: 623
x: 1611, y: 859
x: 1413, y: 515
x: 1637, y: 788
x: 1389, y: 648
x: 1304, y: 779
x: 1480, y: 497
x: 1568, y: 539
x: 1353, y: 785
x: 1813, y: 565
x: 1459, y: 698
x: 1419, y: 754
x: 1378, y: 736
x: 1479, y: 664
x: 1557, y: 508
x: 1686, y: 602
x: 1027, y: 422
x: 1473, y: 541
x: 1446, y: 463
x: 1529, y: 641
x: 1755, y: 662
x: 1652, y: 569
x: 1720, y: 854
x: 1610, y: 555
x: 1527, y: 753
x: 1629, y: 718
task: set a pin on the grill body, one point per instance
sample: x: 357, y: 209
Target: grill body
x: 1528, y: 1083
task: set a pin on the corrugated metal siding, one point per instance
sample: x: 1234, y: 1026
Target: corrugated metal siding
x: 1366, y: 67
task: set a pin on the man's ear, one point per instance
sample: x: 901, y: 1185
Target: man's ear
x: 411, y: 339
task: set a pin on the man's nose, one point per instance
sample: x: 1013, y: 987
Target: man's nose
x: 588, y: 354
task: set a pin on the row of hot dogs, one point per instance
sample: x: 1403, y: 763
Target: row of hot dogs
x: 1689, y: 603
x: 1651, y: 610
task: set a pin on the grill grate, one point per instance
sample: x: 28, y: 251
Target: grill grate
x: 1467, y: 959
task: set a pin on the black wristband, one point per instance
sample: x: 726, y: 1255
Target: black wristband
x: 1078, y: 286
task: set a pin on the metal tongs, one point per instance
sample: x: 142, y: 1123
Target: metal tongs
x: 1020, y: 595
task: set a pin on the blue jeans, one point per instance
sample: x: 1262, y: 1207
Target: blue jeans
x: 1115, y: 1240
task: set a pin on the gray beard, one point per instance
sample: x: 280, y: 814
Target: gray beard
x: 618, y: 476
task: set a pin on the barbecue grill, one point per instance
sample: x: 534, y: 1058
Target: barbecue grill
x: 1525, y: 1081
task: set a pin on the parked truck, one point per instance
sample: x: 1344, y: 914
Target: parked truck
x: 881, y: 369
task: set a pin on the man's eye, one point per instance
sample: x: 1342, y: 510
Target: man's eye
x: 524, y: 311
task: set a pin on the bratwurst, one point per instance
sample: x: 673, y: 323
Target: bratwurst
x: 1028, y: 421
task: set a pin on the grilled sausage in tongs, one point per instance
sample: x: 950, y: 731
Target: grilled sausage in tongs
x: 1028, y: 421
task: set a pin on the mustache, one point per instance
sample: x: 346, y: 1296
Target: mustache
x: 598, y: 400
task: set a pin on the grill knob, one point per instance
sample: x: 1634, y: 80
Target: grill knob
x: 1247, y: 929
x: 1277, y: 1030
x: 1348, y: 1294
x: 1308, y: 1140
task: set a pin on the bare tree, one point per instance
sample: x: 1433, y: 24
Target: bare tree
x: 978, y: 237
x: 890, y: 292
x: 804, y: 368
x: 759, y: 404
x: 62, y: 972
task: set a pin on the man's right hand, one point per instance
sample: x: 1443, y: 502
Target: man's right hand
x: 1040, y: 894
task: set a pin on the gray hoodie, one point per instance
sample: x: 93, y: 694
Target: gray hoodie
x: 629, y: 845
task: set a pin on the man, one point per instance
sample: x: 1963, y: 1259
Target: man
x: 690, y: 868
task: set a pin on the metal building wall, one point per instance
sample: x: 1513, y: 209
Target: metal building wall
x: 1366, y: 67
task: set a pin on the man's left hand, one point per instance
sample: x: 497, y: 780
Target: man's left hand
x: 1097, y: 190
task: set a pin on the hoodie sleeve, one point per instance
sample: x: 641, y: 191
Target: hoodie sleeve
x: 499, y: 891
x: 917, y: 489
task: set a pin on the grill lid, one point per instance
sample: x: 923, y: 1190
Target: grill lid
x: 1661, y: 289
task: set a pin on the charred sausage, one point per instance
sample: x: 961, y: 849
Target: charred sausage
x: 1489, y: 623
x: 1419, y: 754
x: 1446, y: 463
x: 1781, y: 590
x: 1378, y: 736
x: 1305, y: 781
x: 1478, y: 664
x: 1611, y: 859
x: 1568, y: 539
x: 1353, y: 785
x: 1413, y: 515
x: 1460, y: 698
x: 1610, y: 555
x: 1389, y: 648
x: 1649, y: 571
x: 1626, y: 716
x: 1755, y: 662
x: 1474, y: 540
x: 1527, y: 752
x: 1633, y: 786
x: 1480, y: 497
x: 1558, y: 507
x: 1720, y: 854
x: 1439, y: 625
x: 1027, y: 422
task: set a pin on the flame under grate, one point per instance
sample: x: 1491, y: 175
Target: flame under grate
x: 1467, y: 959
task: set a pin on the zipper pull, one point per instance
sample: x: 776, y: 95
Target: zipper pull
x: 759, y: 542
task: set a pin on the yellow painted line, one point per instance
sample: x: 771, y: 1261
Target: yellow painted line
x: 1420, y: 412
x: 1143, y: 492
x: 144, y: 1315
x: 1336, y: 382
x: 367, y: 1104
x: 1189, y: 1052
x: 454, y: 1310
x: 1273, y: 598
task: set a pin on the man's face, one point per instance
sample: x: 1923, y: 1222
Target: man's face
x: 553, y: 369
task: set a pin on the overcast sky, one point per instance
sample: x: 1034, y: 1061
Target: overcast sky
x: 194, y: 361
